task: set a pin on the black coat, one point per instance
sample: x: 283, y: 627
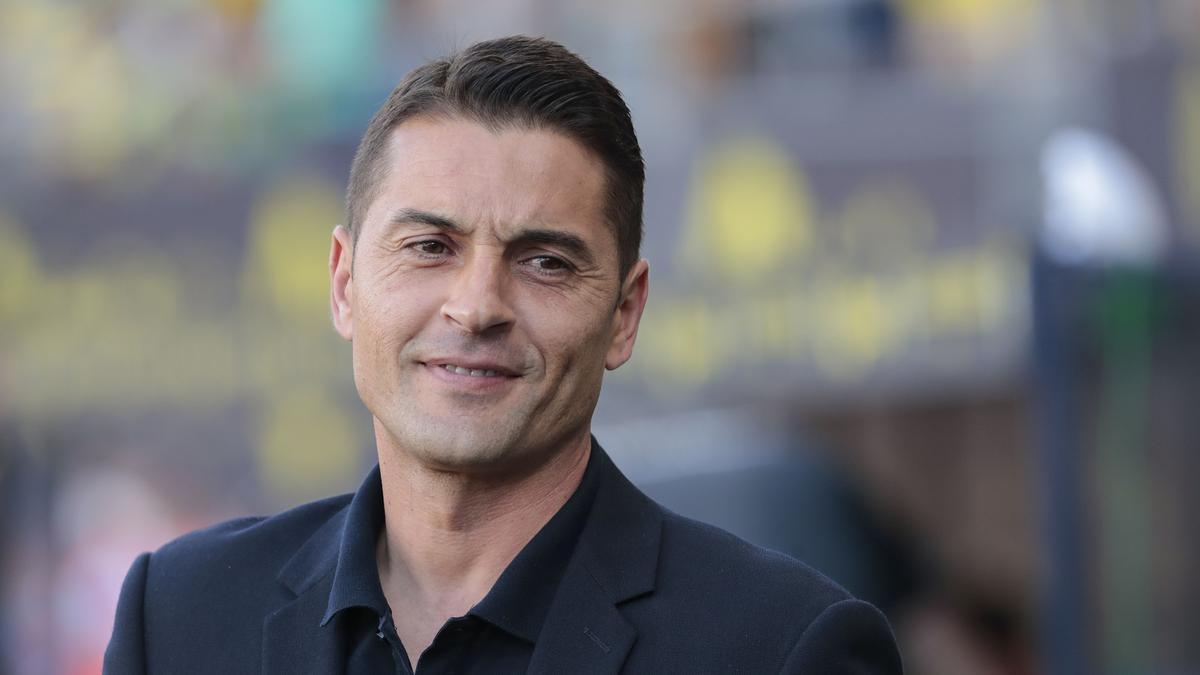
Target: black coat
x: 646, y: 591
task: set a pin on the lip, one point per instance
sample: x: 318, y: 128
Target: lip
x: 471, y: 364
x: 470, y: 383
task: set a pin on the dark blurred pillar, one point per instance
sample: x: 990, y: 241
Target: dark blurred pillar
x: 1064, y: 645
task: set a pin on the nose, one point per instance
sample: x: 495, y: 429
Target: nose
x: 477, y: 298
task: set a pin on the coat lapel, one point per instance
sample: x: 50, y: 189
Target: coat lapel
x: 294, y: 641
x: 615, y: 561
x: 583, y: 633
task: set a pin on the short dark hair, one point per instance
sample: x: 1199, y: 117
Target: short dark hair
x: 524, y: 82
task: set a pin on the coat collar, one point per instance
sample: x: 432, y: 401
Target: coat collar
x: 619, y: 544
x: 614, y: 561
x: 294, y: 640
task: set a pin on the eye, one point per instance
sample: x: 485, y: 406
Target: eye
x: 430, y: 247
x: 548, y: 264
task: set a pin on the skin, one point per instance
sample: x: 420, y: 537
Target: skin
x: 488, y: 250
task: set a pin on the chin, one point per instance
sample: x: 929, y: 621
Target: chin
x: 460, y: 447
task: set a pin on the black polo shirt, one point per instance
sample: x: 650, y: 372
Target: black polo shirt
x: 497, y: 635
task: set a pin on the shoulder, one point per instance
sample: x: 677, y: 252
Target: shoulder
x: 213, y: 587
x: 721, y: 599
x: 696, y: 555
x: 237, y: 562
x: 254, y: 541
x: 699, y: 568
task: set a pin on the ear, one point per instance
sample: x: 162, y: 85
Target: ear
x: 628, y: 314
x: 341, y: 281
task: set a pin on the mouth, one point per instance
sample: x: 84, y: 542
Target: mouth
x: 472, y: 369
x: 470, y: 372
x: 472, y: 377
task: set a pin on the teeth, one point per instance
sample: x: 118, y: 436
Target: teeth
x: 469, y: 371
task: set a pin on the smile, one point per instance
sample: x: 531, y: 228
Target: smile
x: 473, y: 372
x: 479, y: 380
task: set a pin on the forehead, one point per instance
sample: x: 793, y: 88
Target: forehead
x: 500, y: 178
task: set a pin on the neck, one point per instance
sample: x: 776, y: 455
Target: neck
x: 449, y: 535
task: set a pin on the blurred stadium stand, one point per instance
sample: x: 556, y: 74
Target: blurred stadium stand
x: 864, y: 345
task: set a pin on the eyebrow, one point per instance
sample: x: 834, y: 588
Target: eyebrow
x: 417, y: 216
x: 571, y: 244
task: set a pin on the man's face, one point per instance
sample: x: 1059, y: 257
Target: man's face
x: 484, y: 302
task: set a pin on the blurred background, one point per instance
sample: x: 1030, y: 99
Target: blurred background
x: 925, y: 304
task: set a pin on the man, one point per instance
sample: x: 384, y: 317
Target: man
x: 487, y: 275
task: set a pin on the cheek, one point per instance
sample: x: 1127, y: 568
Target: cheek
x: 573, y: 340
x: 384, y: 323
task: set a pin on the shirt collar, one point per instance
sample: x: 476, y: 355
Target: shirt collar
x: 356, y: 577
x: 521, y: 597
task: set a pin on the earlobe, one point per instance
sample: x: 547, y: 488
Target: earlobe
x: 341, y: 281
x: 629, y: 315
